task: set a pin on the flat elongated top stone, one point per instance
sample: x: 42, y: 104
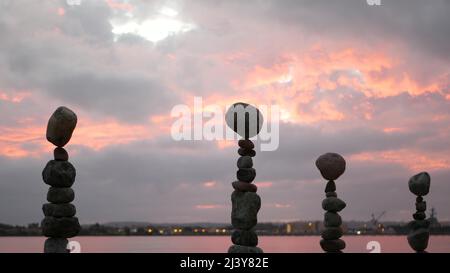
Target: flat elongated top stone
x: 331, y: 165
x: 60, y: 126
x: 419, y: 184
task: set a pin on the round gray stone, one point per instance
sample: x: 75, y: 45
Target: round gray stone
x: 244, y: 238
x: 246, y: 120
x: 244, y: 162
x: 418, y: 239
x: 332, y: 219
x: 419, y: 184
x: 332, y: 245
x: 59, y: 210
x: 246, y: 174
x: 56, y: 245
x: 332, y: 233
x: 60, y: 126
x: 64, y: 227
x: 60, y: 174
x: 245, y: 207
x: 244, y: 249
x: 244, y: 186
x: 333, y: 204
x: 60, y: 195
x: 331, y: 165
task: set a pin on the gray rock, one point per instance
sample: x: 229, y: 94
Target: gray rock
x: 244, y: 186
x: 416, y: 224
x: 419, y: 184
x: 245, y: 207
x: 421, y: 206
x: 60, y: 174
x: 246, y: 120
x: 333, y: 204
x: 60, y: 195
x: 332, y: 245
x: 244, y: 162
x: 419, y: 215
x: 64, y: 227
x: 332, y: 233
x: 56, y: 245
x: 60, y: 126
x: 418, y: 239
x: 245, y: 152
x: 332, y: 219
x: 246, y: 144
x: 59, y: 210
x: 330, y: 187
x: 60, y: 154
x: 246, y: 174
x: 244, y: 249
x: 331, y: 165
x: 331, y: 194
x: 244, y: 238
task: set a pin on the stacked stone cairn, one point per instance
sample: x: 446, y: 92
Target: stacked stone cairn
x: 59, y: 222
x: 331, y: 166
x: 245, y: 201
x: 419, y: 234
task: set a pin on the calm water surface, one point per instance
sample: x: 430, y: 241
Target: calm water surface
x: 219, y: 244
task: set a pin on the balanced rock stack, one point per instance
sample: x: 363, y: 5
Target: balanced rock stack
x: 418, y: 237
x: 331, y: 166
x: 245, y: 201
x: 59, y: 222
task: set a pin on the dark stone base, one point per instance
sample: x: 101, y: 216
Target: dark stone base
x: 244, y: 238
x: 332, y: 245
x: 418, y: 239
x: 64, y: 227
x: 56, y: 245
x: 244, y: 249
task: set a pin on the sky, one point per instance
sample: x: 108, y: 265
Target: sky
x: 368, y: 82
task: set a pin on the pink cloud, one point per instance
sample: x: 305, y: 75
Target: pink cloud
x: 413, y: 160
x: 210, y: 184
x: 61, y: 11
x: 208, y: 206
x: 95, y: 134
x: 264, y: 184
x: 281, y: 206
x: 119, y: 5
x: 14, y: 97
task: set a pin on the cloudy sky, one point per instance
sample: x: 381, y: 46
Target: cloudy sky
x: 368, y: 82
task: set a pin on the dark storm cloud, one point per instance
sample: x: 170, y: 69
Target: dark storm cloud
x: 75, y: 60
x: 416, y: 23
